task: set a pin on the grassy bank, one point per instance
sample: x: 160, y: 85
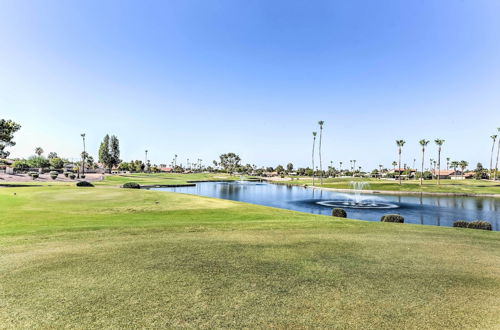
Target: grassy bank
x: 109, y: 257
x: 430, y: 186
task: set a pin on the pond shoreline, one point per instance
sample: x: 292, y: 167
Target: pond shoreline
x: 389, y: 192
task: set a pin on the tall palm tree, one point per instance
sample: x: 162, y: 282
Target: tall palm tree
x: 353, y: 165
x: 493, y: 137
x: 423, y: 143
x: 498, y: 152
x: 380, y: 171
x: 394, y: 163
x: 39, y: 151
x: 454, y: 164
x: 439, y: 143
x: 320, y: 123
x: 447, y: 163
x: 400, y: 144
x: 340, y: 166
x: 314, y: 144
x: 84, y: 154
x: 463, y: 164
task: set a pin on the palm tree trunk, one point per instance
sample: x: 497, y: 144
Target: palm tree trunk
x: 491, y: 157
x: 314, y: 142
x: 496, y: 164
x: 439, y: 166
x: 320, y: 161
x: 422, y: 173
x: 399, y: 166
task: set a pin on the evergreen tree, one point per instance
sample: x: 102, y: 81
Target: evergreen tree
x: 104, y: 154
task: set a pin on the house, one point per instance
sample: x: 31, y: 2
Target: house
x: 166, y: 169
x: 445, y: 174
x: 460, y: 176
x: 399, y: 171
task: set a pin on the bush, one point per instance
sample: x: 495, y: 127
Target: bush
x: 82, y: 176
x: 66, y: 174
x: 132, y: 185
x: 54, y: 174
x: 339, y: 213
x: 461, y: 224
x: 84, y: 184
x: 34, y: 175
x: 72, y: 176
x: 392, y: 218
x: 479, y: 224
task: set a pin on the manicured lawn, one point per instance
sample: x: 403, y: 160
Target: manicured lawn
x: 107, y: 257
x: 446, y: 186
x: 165, y: 178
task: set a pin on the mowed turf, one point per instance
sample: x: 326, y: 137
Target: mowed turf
x: 107, y: 257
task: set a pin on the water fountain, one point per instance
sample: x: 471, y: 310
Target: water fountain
x: 356, y: 200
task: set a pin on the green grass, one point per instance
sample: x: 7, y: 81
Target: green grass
x: 431, y: 186
x: 165, y: 178
x: 106, y: 257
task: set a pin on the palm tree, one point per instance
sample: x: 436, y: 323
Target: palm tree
x: 439, y: 143
x: 340, y: 166
x: 447, y: 163
x: 353, y: 165
x: 394, y: 163
x: 314, y: 143
x: 400, y: 144
x: 454, y: 164
x: 84, y: 154
x: 498, y: 152
x: 320, y: 123
x: 39, y: 151
x: 146, y: 168
x: 463, y: 164
x: 380, y: 171
x: 493, y: 137
x: 423, y: 143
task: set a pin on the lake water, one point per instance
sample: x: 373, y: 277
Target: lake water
x: 426, y: 210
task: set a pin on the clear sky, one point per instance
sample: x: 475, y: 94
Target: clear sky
x: 200, y: 78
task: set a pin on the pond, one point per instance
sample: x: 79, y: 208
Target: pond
x: 417, y: 209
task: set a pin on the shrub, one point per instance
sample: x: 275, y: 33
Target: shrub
x: 66, y: 174
x: 339, y: 213
x: 34, y: 175
x: 461, y: 224
x: 84, y: 184
x: 479, y: 224
x: 131, y: 185
x: 53, y: 174
x: 392, y: 218
x: 72, y: 176
x: 82, y: 176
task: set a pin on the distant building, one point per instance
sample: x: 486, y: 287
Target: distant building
x: 445, y: 174
x: 399, y: 172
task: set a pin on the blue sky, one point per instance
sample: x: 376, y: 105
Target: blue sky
x: 200, y: 78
